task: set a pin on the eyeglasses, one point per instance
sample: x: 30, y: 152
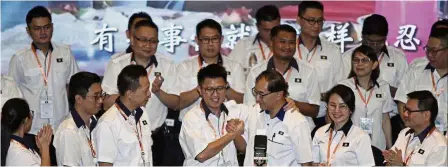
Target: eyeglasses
x: 206, y: 40
x: 369, y: 42
x: 411, y: 111
x: 313, y: 21
x: 97, y: 97
x: 431, y: 51
x: 147, y: 41
x: 359, y: 61
x: 211, y: 90
x: 32, y: 113
x: 44, y: 28
x: 341, y: 107
x: 258, y: 93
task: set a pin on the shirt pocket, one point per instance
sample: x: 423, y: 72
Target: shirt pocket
x: 127, y: 145
x: 297, y: 90
x: 33, y: 77
x: 280, y: 145
x: 388, y: 74
x: 60, y: 71
x: 323, y: 69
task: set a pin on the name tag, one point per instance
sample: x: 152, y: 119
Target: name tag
x: 367, y: 125
x: 390, y: 64
x: 323, y: 57
x: 379, y: 96
x: 46, y: 109
x: 298, y: 80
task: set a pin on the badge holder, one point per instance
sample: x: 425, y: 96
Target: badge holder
x: 367, y: 125
x: 46, y: 106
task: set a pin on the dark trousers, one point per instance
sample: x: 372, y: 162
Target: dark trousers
x: 30, y: 138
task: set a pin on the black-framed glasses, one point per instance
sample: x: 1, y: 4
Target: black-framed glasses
x: 431, y: 51
x: 411, y: 111
x: 341, y: 107
x: 206, y: 40
x: 258, y: 93
x: 359, y: 61
x: 211, y: 90
x: 147, y: 41
x: 313, y: 21
x: 97, y: 97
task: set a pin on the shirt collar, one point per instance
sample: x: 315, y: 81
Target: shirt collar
x: 220, y: 62
x: 385, y: 51
x: 422, y: 134
x: 346, y: 128
x: 430, y: 67
x: 318, y: 42
x: 138, y: 111
x: 152, y: 60
x: 207, y: 110
x: 22, y: 141
x: 129, y: 49
x: 292, y: 63
x: 80, y: 123
x: 280, y: 114
x: 35, y: 46
x: 375, y: 83
x: 257, y: 38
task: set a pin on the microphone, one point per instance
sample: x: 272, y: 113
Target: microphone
x: 260, y: 147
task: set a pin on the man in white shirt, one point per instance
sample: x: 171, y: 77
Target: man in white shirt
x: 433, y: 77
x: 209, y: 38
x: 301, y: 76
x: 421, y: 144
x: 123, y: 133
x: 203, y: 138
x: 287, y: 133
x: 42, y: 72
x: 73, y: 138
x: 253, y: 50
x: 161, y: 71
x: 8, y: 90
x: 324, y: 56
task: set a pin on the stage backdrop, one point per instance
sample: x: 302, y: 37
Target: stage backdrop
x: 96, y: 29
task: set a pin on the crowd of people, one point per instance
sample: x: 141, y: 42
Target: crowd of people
x: 281, y: 98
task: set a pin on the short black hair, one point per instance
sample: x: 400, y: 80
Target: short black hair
x: 37, y: 12
x: 80, y: 84
x: 267, y: 13
x: 137, y: 15
x: 212, y: 71
x: 14, y: 112
x: 347, y: 95
x: 439, y: 23
x: 276, y: 82
x: 129, y: 78
x: 145, y: 23
x: 283, y: 27
x: 375, y: 25
x: 441, y: 34
x: 209, y: 23
x: 304, y: 5
x: 426, y: 101
x: 371, y: 54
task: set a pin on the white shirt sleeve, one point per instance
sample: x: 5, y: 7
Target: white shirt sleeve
x: 73, y: 67
x: 20, y: 157
x: 338, y: 68
x: 313, y: 90
x: 388, y: 103
x: 68, y: 149
x: 364, y: 152
x: 437, y: 156
x: 105, y: 140
x: 238, y: 53
x: 347, y: 61
x: 171, y: 85
x: 404, y: 88
x: 316, y: 149
x: 402, y: 67
x: 238, y: 78
x: 192, y: 136
x: 301, y: 140
x: 15, y: 71
x: 249, y: 99
x: 109, y: 83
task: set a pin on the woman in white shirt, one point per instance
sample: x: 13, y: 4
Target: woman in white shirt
x: 340, y: 143
x: 373, y: 97
x: 17, y: 118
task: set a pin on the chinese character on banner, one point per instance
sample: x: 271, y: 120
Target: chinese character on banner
x: 235, y: 34
x: 339, y: 35
x: 406, y: 38
x: 172, y: 37
x: 105, y: 37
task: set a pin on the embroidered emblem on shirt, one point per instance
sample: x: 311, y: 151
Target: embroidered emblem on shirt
x: 323, y: 57
x: 345, y: 144
x: 379, y: 96
x: 390, y: 64
x: 145, y: 123
x: 281, y: 132
x: 421, y: 151
x: 298, y: 80
x: 59, y: 60
x: 228, y: 72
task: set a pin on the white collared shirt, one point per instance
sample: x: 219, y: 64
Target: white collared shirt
x: 24, y: 69
x: 196, y: 133
x: 352, y: 149
x: 116, y: 140
x: 327, y: 60
x: 20, y: 156
x: 72, y: 144
x: 303, y: 85
x: 419, y: 62
x: 248, y: 53
x: 8, y: 90
x: 380, y: 102
x: 419, y: 78
x: 190, y: 67
x: 289, y: 139
x: 432, y: 152
x: 156, y: 110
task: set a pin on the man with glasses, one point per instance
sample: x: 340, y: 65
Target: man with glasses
x: 73, y: 138
x: 42, y: 71
x: 213, y: 130
x: 323, y: 55
x: 289, y: 138
x: 209, y: 38
x: 433, y: 77
x: 161, y: 71
x: 421, y: 143
x: 302, y: 78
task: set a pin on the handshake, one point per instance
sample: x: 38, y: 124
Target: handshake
x: 235, y: 126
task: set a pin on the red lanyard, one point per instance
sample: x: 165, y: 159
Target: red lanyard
x: 262, y: 51
x: 44, y: 75
x: 434, y: 86
x: 92, y: 149
x: 300, y: 53
x: 409, y: 140
x: 139, y: 135
x: 329, y: 144
x: 362, y: 97
x: 211, y: 126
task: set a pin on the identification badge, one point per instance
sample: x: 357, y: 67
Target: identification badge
x: 46, y: 109
x: 367, y: 125
x: 169, y: 122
